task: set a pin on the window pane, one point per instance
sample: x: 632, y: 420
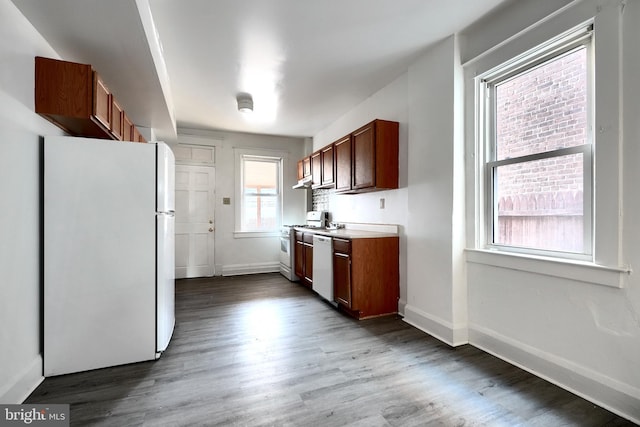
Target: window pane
x: 540, y: 204
x: 259, y: 175
x: 543, y: 109
x: 260, y: 213
x: 260, y: 198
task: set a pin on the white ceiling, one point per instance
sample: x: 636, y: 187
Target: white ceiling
x: 305, y: 62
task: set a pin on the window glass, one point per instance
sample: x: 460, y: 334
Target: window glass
x: 539, y: 153
x: 544, y: 108
x: 260, y: 193
x: 540, y: 204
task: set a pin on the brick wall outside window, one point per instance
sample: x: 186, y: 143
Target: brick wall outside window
x: 540, y: 203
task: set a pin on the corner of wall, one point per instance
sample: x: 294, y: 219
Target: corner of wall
x: 453, y: 335
x: 23, y: 384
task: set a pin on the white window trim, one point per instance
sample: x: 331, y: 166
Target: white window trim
x: 558, y: 46
x: 239, y: 154
x: 607, y: 249
x: 580, y: 271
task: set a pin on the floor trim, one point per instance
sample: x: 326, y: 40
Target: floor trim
x: 240, y: 269
x: 436, y: 327
x: 618, y: 398
x: 24, y: 383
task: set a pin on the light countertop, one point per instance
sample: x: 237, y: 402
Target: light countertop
x: 350, y: 233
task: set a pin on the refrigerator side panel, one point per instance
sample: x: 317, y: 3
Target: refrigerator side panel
x: 166, y: 280
x: 166, y: 178
x: 99, y: 254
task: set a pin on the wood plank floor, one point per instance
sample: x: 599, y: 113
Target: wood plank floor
x: 261, y: 351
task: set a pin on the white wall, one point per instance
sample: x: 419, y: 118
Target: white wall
x: 390, y: 103
x: 244, y: 255
x: 436, y: 286
x: 582, y: 336
x: 20, y: 225
x: 573, y: 331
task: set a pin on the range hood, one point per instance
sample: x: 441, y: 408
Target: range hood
x: 304, y: 183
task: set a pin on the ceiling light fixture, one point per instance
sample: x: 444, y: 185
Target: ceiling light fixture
x: 245, y: 103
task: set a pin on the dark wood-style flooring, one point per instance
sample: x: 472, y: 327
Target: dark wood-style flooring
x: 261, y: 351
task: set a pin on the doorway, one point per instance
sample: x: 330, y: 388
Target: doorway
x: 195, y: 222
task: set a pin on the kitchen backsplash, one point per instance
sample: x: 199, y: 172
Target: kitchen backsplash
x: 320, y: 199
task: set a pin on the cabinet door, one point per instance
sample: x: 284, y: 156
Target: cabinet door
x: 300, y: 170
x: 364, y: 157
x: 101, y: 101
x: 342, y: 279
x: 117, y: 113
x: 299, y: 259
x: 316, y: 169
x: 127, y: 128
x: 306, y: 166
x: 308, y: 263
x: 327, y: 166
x: 343, y: 164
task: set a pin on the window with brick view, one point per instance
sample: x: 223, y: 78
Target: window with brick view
x: 541, y: 145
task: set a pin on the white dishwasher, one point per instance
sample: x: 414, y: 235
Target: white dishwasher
x: 323, y: 266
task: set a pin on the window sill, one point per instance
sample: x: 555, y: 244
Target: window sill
x: 567, y: 269
x: 254, y: 234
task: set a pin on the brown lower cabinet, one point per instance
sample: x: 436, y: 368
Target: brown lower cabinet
x: 366, y: 276
x: 303, y: 255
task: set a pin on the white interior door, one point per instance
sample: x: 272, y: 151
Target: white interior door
x: 195, y: 198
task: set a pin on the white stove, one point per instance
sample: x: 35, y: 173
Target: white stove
x: 315, y: 219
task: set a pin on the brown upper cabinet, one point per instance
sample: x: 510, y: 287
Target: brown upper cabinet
x: 101, y: 110
x: 375, y: 156
x: 127, y: 128
x: 137, y: 136
x: 304, y: 168
x: 342, y: 152
x: 322, y: 168
x: 74, y: 97
x: 367, y: 160
x: 328, y: 179
x: 117, y: 122
x: 316, y: 169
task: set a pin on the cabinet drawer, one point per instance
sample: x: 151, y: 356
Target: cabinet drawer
x: 299, y: 236
x: 342, y: 246
x: 308, y: 238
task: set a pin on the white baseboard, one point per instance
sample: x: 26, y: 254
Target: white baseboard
x: 401, y: 307
x: 240, y: 269
x: 617, y: 397
x: 436, y: 327
x: 23, y: 384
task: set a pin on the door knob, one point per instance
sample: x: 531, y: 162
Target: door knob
x: 210, y: 229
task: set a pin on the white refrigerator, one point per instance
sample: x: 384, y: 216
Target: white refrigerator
x: 109, y: 253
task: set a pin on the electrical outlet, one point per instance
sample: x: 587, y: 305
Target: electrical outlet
x: 226, y: 200
x: 382, y: 203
